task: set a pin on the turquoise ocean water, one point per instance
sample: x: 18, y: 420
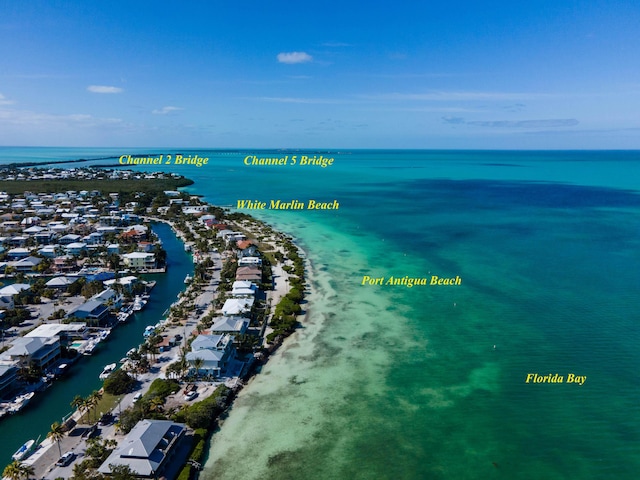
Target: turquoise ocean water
x: 429, y: 382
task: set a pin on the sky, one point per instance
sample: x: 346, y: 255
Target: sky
x: 416, y: 74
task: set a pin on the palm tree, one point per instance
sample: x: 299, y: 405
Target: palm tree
x: 94, y: 400
x: 198, y: 362
x: 77, y: 403
x: 26, y: 470
x: 56, y: 434
x: 12, y: 471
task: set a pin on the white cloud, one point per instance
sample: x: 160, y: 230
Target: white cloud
x: 32, y: 119
x: 294, y: 57
x: 103, y: 89
x: 165, y: 110
x: 4, y: 101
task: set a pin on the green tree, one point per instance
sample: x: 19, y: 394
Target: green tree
x: 78, y: 403
x: 118, y: 382
x: 94, y: 400
x: 56, y: 434
x: 12, y: 471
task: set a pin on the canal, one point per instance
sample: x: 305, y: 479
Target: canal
x: 82, y: 379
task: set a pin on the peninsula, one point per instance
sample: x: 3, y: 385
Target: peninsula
x: 242, y: 300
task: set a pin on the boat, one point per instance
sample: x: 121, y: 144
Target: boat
x: 20, y: 402
x: 188, y: 278
x: 148, y: 331
x: 107, y: 371
x: 139, y: 303
x: 90, y: 346
x: 24, y: 451
x: 124, y: 315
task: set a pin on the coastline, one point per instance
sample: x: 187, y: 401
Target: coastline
x: 281, y: 287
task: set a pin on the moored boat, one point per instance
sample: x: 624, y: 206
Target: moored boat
x: 24, y: 451
x: 107, y: 371
x: 139, y: 303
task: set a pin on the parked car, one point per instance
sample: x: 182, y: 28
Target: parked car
x: 191, y: 395
x: 137, y: 396
x: 66, y: 459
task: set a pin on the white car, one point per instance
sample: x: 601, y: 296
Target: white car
x: 191, y: 395
x: 137, y: 396
x: 65, y: 459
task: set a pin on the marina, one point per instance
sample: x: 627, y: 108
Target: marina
x: 54, y: 404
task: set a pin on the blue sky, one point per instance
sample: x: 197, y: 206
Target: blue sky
x: 492, y: 74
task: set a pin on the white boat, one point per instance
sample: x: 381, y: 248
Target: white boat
x: 20, y: 402
x: 107, y: 371
x: 188, y: 278
x: 24, y: 451
x: 139, y: 303
x: 90, y: 346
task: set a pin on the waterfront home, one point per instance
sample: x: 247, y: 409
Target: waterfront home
x: 237, y: 306
x: 253, y: 274
x: 93, y: 311
x: 243, y: 288
x: 250, y: 261
x: 65, y: 331
x: 27, y: 264
x: 147, y: 449
x: 231, y: 325
x: 41, y: 352
x: 109, y: 298
x: 139, y: 260
x: 64, y: 263
x: 215, y: 352
x: 249, y: 251
x: 127, y: 283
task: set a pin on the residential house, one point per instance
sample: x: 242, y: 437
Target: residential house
x: 214, y: 350
x: 41, y: 352
x: 70, y: 238
x: 253, y: 274
x: 139, y: 260
x: 27, y: 265
x: 93, y: 311
x: 231, y: 325
x: 237, y: 306
x: 147, y: 449
x: 243, y: 288
x: 250, y: 261
x: 76, y: 248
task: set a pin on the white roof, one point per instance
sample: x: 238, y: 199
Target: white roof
x: 14, y: 289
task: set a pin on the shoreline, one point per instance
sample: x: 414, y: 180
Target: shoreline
x: 281, y: 286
